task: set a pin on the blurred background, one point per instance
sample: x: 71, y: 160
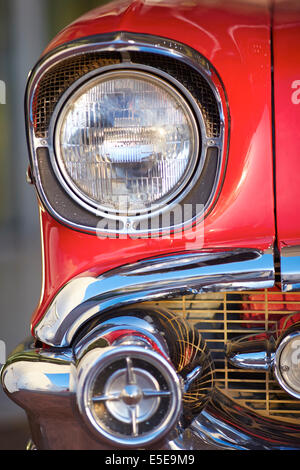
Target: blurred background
x: 26, y: 27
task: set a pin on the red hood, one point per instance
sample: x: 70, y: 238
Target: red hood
x: 210, y: 24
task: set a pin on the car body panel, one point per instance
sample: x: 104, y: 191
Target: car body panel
x: 235, y: 38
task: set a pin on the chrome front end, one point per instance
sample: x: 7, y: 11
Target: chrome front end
x: 42, y: 383
x: 113, y: 366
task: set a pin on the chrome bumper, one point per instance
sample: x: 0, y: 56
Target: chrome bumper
x: 41, y: 381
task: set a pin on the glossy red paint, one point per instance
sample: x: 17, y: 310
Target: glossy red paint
x: 235, y: 37
x: 287, y: 111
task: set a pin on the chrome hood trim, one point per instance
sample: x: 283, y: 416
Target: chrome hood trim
x: 83, y: 298
x: 290, y: 268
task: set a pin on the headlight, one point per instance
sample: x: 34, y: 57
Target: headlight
x: 126, y: 142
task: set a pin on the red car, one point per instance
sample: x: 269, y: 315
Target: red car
x: 164, y: 148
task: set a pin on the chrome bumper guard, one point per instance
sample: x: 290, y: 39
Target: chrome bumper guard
x: 41, y: 381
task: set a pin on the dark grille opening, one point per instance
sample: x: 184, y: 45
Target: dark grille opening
x: 58, y: 79
x: 221, y: 317
x: 61, y: 76
x: 192, y: 81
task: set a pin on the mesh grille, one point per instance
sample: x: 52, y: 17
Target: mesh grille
x: 192, y: 81
x: 58, y: 79
x: 61, y: 76
x: 225, y: 316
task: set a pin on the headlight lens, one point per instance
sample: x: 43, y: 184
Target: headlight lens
x: 289, y: 365
x: 126, y: 142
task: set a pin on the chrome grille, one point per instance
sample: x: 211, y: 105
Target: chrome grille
x: 222, y: 317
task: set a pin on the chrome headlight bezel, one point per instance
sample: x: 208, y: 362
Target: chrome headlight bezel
x: 182, y: 67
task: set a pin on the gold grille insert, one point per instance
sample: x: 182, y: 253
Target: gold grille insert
x: 221, y: 317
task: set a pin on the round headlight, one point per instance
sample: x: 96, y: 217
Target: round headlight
x: 126, y: 142
x: 287, y: 364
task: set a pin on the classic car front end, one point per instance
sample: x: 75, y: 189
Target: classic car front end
x: 163, y: 149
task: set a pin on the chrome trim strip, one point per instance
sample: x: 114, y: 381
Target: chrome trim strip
x: 84, y: 298
x: 123, y: 42
x: 290, y: 268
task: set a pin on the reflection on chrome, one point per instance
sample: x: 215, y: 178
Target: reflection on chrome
x: 290, y: 268
x: 222, y: 424
x: 252, y: 352
x: 277, y: 350
x: 86, y: 297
